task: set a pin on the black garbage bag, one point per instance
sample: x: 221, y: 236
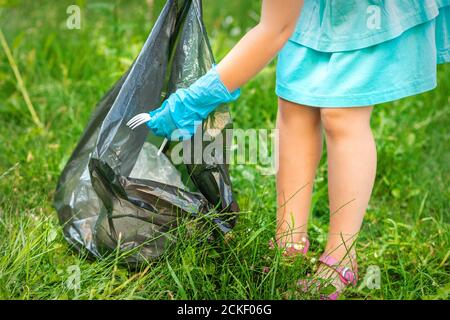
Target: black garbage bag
x: 116, y: 192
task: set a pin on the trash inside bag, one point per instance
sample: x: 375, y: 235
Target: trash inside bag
x: 116, y: 192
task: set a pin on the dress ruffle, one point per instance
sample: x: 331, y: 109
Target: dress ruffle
x: 344, y: 25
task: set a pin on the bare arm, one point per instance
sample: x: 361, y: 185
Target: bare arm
x: 257, y: 48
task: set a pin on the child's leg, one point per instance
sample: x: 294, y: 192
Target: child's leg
x: 300, y: 148
x: 351, y: 173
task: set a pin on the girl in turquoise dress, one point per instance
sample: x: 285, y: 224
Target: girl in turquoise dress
x: 336, y: 60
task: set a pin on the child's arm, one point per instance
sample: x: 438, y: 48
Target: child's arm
x: 261, y: 44
x: 187, y: 107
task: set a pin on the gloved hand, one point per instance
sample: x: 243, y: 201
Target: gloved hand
x: 186, y: 108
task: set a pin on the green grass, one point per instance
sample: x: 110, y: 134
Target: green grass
x: 406, y: 230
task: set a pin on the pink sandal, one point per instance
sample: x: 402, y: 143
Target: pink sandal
x: 292, y: 248
x: 346, y: 275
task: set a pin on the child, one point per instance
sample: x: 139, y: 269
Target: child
x: 336, y: 60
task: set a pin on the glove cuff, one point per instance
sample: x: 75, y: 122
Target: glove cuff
x: 210, y: 89
x: 228, y: 96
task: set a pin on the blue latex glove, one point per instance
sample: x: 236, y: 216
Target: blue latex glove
x: 186, y: 108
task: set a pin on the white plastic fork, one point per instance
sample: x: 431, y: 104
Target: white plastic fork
x: 137, y: 120
x: 142, y: 118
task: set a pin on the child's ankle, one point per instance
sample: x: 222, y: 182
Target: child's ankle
x: 345, y: 258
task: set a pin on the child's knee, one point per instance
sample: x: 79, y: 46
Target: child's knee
x: 343, y: 122
x: 334, y: 122
x: 293, y: 114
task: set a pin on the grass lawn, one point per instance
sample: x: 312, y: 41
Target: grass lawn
x: 406, y: 230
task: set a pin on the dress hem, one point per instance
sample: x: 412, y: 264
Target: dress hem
x: 354, y: 100
x: 443, y: 57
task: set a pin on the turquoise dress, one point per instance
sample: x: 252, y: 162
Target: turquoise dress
x: 350, y: 53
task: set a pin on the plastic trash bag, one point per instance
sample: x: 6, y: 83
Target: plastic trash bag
x: 115, y: 192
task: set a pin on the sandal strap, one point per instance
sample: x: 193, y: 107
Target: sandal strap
x: 346, y: 275
x: 297, y: 247
x: 290, y: 248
